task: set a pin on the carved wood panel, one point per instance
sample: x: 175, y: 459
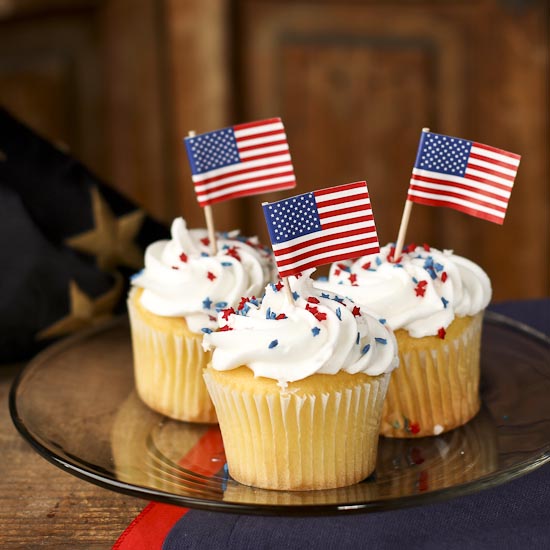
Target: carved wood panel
x: 356, y: 82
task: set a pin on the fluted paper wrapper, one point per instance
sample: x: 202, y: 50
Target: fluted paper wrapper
x: 168, y: 365
x: 290, y: 440
x: 436, y: 387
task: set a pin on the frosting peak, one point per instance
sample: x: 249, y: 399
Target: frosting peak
x: 182, y: 279
x: 317, y: 333
x: 422, y: 293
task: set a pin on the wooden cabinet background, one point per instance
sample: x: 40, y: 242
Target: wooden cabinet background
x: 120, y: 82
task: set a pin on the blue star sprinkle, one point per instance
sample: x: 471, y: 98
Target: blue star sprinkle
x: 207, y: 303
x: 206, y: 330
x: 365, y: 349
x: 273, y: 344
x: 381, y: 341
x: 315, y: 331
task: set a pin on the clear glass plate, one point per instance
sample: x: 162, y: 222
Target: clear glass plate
x: 75, y: 403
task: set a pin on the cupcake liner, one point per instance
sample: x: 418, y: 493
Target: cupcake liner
x: 168, y: 365
x: 293, y: 440
x: 436, y: 387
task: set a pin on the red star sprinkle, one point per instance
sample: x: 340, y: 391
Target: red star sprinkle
x: 410, y: 248
x: 441, y: 333
x: 232, y: 251
x: 242, y: 303
x: 211, y: 276
x: 353, y: 278
x: 227, y: 312
x: 313, y: 310
x: 366, y: 265
x: 280, y: 316
x: 356, y: 311
x: 426, y: 247
x: 313, y: 300
x: 175, y: 267
x: 420, y: 288
x: 298, y: 275
x: 183, y: 257
x: 225, y: 327
x: 390, y: 257
x: 279, y: 285
x: 320, y: 316
x: 414, y: 427
x: 443, y: 276
x: 343, y: 267
x: 205, y: 241
x: 337, y: 272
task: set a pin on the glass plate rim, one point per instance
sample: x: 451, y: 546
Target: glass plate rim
x: 379, y: 505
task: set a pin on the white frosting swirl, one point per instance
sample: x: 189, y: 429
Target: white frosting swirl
x: 422, y: 293
x: 182, y: 279
x: 290, y: 341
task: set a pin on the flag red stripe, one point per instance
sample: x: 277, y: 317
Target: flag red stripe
x: 343, y: 200
x: 318, y: 240
x: 280, y: 132
x: 489, y: 171
x: 473, y: 177
x: 256, y: 123
x: 264, y: 156
x: 223, y: 186
x: 470, y: 200
x: 459, y: 207
x: 261, y: 145
x: 340, y: 211
x: 327, y: 248
x: 256, y: 190
x: 465, y: 186
x: 244, y: 171
x: 349, y: 221
x: 494, y: 161
x: 345, y: 187
x: 496, y: 150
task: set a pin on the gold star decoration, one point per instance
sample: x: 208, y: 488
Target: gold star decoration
x: 112, y: 238
x: 84, y: 311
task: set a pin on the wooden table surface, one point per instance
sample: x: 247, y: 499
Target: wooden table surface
x: 42, y: 506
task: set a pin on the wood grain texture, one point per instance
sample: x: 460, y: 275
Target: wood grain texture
x: 44, y: 507
x: 356, y: 81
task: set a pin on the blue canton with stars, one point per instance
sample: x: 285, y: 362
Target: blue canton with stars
x: 443, y: 154
x: 292, y: 218
x: 212, y: 150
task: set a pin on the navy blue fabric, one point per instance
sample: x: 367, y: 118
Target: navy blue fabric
x: 513, y: 516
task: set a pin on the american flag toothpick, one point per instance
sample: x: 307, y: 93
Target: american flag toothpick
x: 321, y: 227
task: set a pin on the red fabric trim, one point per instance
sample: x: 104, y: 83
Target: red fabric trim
x: 150, y: 527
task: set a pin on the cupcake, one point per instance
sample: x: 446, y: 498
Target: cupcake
x: 298, y: 388
x: 434, y: 301
x: 174, y: 301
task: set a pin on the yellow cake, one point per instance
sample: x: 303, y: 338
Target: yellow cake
x: 174, y: 301
x: 298, y: 389
x: 434, y: 301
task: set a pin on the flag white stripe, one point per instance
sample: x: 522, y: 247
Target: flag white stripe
x: 250, y: 142
x: 361, y: 248
x: 493, y: 155
x: 346, y: 240
x: 253, y: 130
x: 252, y: 185
x: 491, y: 177
x: 241, y: 166
x: 367, y: 226
x: 337, y: 207
x: 463, y: 180
x: 320, y: 199
x: 231, y: 179
x: 454, y: 200
x: 491, y: 166
x: 263, y: 151
x: 464, y: 192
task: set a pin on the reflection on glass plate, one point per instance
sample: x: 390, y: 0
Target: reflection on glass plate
x: 76, y: 404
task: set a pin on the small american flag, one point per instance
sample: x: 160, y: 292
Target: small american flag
x: 241, y: 160
x: 470, y: 177
x: 321, y: 227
